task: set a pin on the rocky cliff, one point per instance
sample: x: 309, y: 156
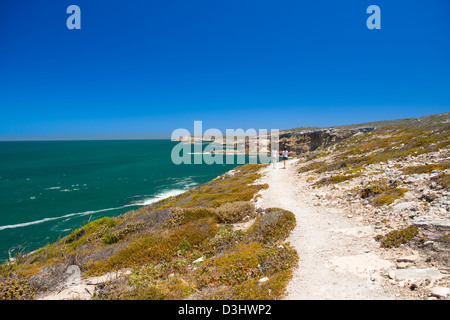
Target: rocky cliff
x: 302, y: 142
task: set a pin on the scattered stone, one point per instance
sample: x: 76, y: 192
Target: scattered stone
x: 432, y: 221
x: 428, y: 243
x: 262, y: 280
x: 415, y: 274
x: 409, y: 195
x: 410, y: 180
x: 440, y: 292
x: 402, y: 265
x: 199, y: 260
x: 412, y: 205
x: 411, y: 258
x: 430, y: 197
x: 425, y: 204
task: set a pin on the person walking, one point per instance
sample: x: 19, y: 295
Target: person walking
x: 274, y: 158
x: 285, y: 156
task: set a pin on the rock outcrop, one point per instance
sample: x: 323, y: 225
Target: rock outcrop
x: 301, y: 142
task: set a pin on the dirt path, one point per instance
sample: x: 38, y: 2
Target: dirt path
x: 338, y: 257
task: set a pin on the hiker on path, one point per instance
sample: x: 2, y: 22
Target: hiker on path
x: 274, y: 158
x: 285, y: 156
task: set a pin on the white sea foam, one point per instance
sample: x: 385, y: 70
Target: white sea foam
x: 186, y: 183
x: 53, y: 188
x: 143, y: 202
x: 158, y: 197
x: 181, y: 186
x: 19, y: 225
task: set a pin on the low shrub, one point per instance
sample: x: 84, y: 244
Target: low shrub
x: 389, y: 197
x: 335, y: 179
x: 372, y: 190
x: 16, y: 288
x: 225, y: 238
x: 275, y: 225
x: 235, y: 212
x: 426, y: 168
x: 239, y: 265
x: 396, y: 238
x: 156, y: 247
x: 85, y: 233
x: 311, y: 166
x: 239, y: 272
x: 382, y: 192
x: 110, y: 238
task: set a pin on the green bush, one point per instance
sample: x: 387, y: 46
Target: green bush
x: 16, y: 288
x: 235, y: 212
x: 110, y: 238
x: 275, y: 225
x: 389, y: 197
x: 426, y: 168
x: 396, y: 238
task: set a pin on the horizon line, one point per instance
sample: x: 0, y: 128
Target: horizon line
x: 169, y: 138
x: 94, y: 139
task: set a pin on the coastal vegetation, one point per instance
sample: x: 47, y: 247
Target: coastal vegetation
x: 382, y: 192
x: 183, y: 247
x: 389, y: 141
x: 396, y: 238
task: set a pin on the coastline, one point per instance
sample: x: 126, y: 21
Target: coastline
x: 195, y: 227
x: 353, y: 215
x: 63, y: 185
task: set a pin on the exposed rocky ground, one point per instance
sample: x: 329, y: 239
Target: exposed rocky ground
x: 423, y: 200
x: 338, y: 257
x: 395, y: 179
x: 423, y: 263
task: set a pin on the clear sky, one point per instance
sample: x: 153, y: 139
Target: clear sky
x: 142, y: 68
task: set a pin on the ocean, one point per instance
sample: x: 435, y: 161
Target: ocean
x: 50, y: 188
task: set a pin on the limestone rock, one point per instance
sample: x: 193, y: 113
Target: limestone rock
x: 440, y: 292
x: 411, y: 258
x: 415, y: 274
x: 262, y: 280
x: 199, y: 260
x: 411, y: 205
x: 432, y: 221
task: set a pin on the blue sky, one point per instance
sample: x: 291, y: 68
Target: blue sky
x: 142, y: 68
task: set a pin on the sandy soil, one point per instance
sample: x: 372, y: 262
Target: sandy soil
x: 339, y: 258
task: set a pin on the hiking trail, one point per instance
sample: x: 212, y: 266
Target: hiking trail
x: 338, y: 257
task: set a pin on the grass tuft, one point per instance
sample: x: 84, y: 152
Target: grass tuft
x: 396, y: 238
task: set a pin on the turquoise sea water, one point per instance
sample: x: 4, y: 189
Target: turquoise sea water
x: 49, y: 188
